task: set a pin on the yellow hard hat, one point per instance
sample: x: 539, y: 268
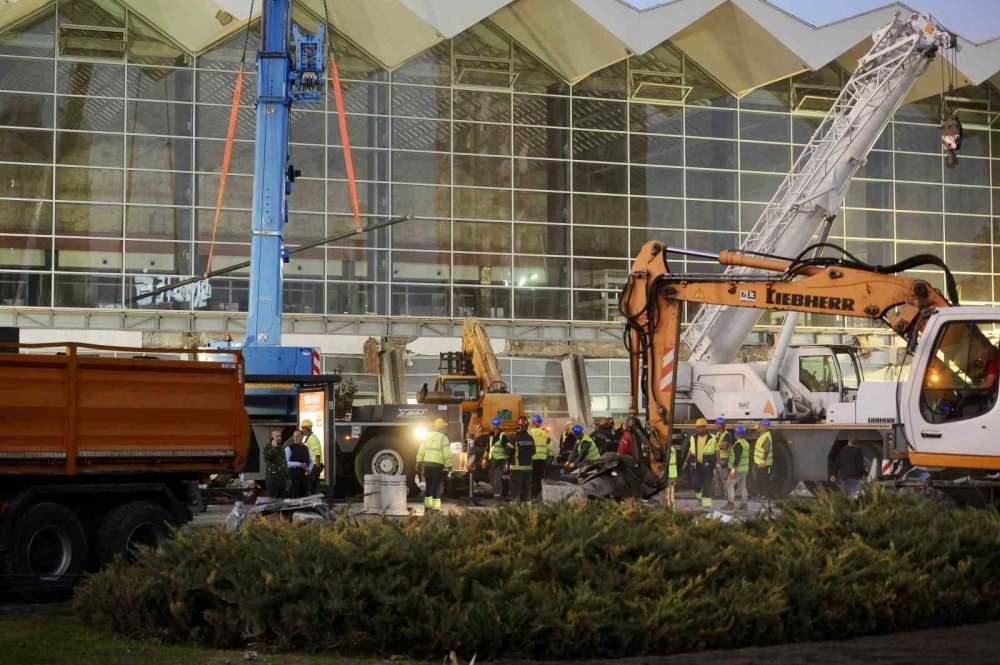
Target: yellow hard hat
x: 701, y: 422
x: 440, y: 424
x: 306, y: 423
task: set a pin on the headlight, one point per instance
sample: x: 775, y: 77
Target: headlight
x: 420, y: 433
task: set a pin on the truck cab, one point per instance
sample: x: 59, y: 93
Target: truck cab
x: 816, y: 377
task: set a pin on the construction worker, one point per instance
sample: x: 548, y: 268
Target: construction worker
x: 739, y: 466
x: 316, y: 451
x: 299, y: 465
x: 671, y: 476
x: 701, y: 461
x: 763, y: 458
x: 433, y: 458
x: 521, y: 461
x: 723, y: 440
x: 540, y: 459
x: 604, y: 435
x: 567, y: 443
x: 584, y: 452
x: 497, y: 453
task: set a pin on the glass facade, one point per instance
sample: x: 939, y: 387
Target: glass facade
x: 531, y: 195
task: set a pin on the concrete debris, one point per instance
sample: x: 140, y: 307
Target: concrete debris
x: 553, y: 490
x: 300, y: 510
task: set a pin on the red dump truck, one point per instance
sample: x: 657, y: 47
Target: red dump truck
x: 99, y: 453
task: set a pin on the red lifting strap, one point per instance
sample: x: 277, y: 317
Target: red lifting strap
x: 230, y: 134
x: 348, y: 162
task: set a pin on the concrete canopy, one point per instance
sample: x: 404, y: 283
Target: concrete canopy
x: 741, y: 43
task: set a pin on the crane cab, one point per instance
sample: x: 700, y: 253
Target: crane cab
x: 820, y: 376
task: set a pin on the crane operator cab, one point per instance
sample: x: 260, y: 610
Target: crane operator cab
x: 822, y: 375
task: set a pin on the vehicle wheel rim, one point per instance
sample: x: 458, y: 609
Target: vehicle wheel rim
x: 387, y: 462
x: 50, y: 553
x: 145, y: 534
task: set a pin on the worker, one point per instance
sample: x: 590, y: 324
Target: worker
x: 626, y: 446
x: 316, y: 451
x: 723, y: 440
x: 275, y: 467
x: 521, y: 462
x: 567, y: 443
x: 299, y: 465
x: 540, y: 459
x: 739, y: 466
x: 604, y: 435
x: 849, y: 467
x: 701, y: 461
x: 497, y: 453
x: 671, y: 475
x: 433, y: 459
x: 763, y: 458
x: 585, y: 450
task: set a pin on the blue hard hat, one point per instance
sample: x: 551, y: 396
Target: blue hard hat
x: 495, y: 422
x: 720, y: 421
x: 740, y: 430
x: 766, y: 422
x: 537, y: 419
x: 577, y: 429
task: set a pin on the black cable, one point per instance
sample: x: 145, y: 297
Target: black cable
x: 246, y: 36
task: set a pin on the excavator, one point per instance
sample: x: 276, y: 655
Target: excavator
x: 471, y: 377
x: 945, y: 412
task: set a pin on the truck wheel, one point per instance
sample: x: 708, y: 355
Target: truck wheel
x: 385, y: 455
x: 48, y: 551
x: 132, y: 525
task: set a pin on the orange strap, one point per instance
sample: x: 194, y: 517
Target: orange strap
x: 348, y: 162
x: 230, y: 134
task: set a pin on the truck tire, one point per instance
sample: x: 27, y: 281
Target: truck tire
x: 384, y: 454
x: 131, y: 525
x: 48, y: 551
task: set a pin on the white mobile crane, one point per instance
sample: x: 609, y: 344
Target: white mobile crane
x: 801, y: 385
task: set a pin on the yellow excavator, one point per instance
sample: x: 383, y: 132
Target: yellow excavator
x: 471, y: 377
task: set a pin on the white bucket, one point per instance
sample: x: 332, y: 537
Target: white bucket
x: 394, y: 496
x: 373, y: 492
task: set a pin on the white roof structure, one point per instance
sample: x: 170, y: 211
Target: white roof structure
x: 743, y: 44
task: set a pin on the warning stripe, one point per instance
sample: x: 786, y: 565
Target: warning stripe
x: 667, y: 369
x: 317, y: 362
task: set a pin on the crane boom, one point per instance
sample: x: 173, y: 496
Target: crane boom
x: 814, y: 189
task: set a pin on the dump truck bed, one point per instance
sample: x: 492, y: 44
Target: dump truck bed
x: 75, y: 413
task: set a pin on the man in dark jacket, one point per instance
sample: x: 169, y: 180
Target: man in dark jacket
x: 275, y: 467
x: 849, y: 468
x: 299, y: 464
x: 520, y: 462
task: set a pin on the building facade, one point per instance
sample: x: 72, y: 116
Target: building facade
x: 530, y: 194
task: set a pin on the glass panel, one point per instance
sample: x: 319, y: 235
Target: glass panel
x: 967, y: 229
x: 972, y: 172
x: 596, y: 241
x: 234, y: 225
x: 176, y: 85
x: 819, y: 374
x: 534, y: 271
x: 88, y: 254
x: 482, y: 303
x: 158, y: 258
x: 421, y: 134
x: 482, y: 171
x: 25, y: 289
x: 772, y: 97
x: 711, y: 122
x: 422, y: 201
x: 656, y: 119
x: 213, y: 121
x: 602, y: 210
x: 711, y: 215
x: 482, y: 139
x: 482, y: 237
x: 419, y: 300
x: 482, y: 106
x: 238, y: 194
x: 482, y: 269
x: 85, y: 219
x: 969, y: 258
x: 354, y: 264
x: 356, y: 298
x: 603, y: 178
x: 89, y: 79
x: 961, y: 378
x: 159, y: 188
x: 172, y: 223
x: 541, y: 239
x: 658, y: 213
x: 35, y: 37
x: 482, y: 203
x: 705, y: 153
x: 541, y: 304
x: 25, y: 145
x: 600, y: 146
x: 89, y: 149
x: 764, y: 157
x: 105, y: 115
x: 165, y: 153
x: 596, y: 305
x: 23, y: 110
x: 368, y: 164
x: 418, y: 102
x: 26, y: 182
x: 967, y: 200
x: 919, y: 168
x: 362, y: 131
x: 175, y: 119
x: 541, y: 207
x: 711, y: 185
x: 918, y: 197
x: 595, y: 114
x: 657, y: 150
x: 764, y: 127
x: 541, y: 174
x: 919, y: 226
x: 27, y: 217
x: 431, y: 67
x: 91, y: 291
x: 422, y: 234
x: 759, y: 187
x: 89, y: 184
x: 655, y: 181
x: 541, y: 142
x: 917, y: 138
x: 148, y: 46
x: 870, y: 194
x: 875, y: 253
x: 421, y: 167
x: 540, y: 110
x: 609, y: 83
x: 24, y: 253
x: 25, y: 75
x: 868, y: 224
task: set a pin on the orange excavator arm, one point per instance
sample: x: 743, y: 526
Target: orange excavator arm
x: 652, y: 298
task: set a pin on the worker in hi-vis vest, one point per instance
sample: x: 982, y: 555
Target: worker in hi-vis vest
x: 433, y: 458
x: 701, y: 462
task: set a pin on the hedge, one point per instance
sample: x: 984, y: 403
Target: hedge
x: 572, y: 580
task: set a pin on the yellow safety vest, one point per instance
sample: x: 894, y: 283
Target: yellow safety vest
x: 723, y: 453
x: 759, y: 457
x: 315, y: 447
x: 672, y: 467
x: 498, y: 446
x: 541, y: 438
x: 435, y: 449
x: 592, y: 454
x: 702, y: 445
x: 743, y: 465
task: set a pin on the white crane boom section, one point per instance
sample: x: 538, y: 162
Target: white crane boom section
x: 815, y: 187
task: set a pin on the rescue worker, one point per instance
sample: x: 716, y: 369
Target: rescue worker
x: 739, y: 466
x: 585, y: 450
x: 626, y: 446
x: 604, y: 435
x: 723, y: 440
x: 763, y: 458
x: 497, y: 453
x: 275, y: 467
x: 299, y: 465
x: 521, y: 461
x: 433, y: 458
x: 316, y: 451
x: 701, y: 462
x: 540, y: 459
x: 567, y: 443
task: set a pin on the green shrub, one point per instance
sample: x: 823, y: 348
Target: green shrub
x: 574, y: 580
